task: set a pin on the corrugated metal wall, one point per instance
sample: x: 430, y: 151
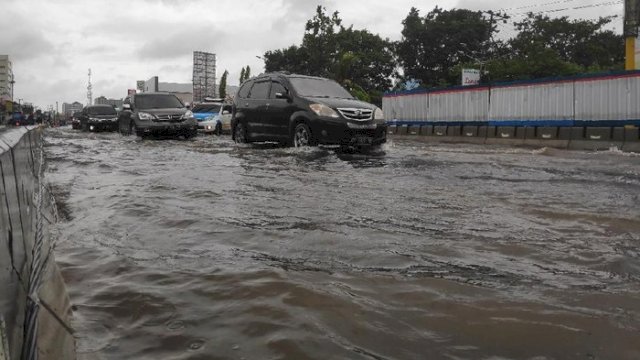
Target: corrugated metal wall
x: 459, y: 106
x: 552, y: 101
x: 561, y: 102
x: 613, y: 99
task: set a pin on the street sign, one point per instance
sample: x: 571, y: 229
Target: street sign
x: 470, y: 77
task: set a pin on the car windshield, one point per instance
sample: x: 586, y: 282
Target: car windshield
x: 158, y: 102
x: 319, y: 88
x: 206, y: 108
x: 102, y: 110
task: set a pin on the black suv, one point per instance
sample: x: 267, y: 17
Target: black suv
x: 156, y: 114
x: 98, y: 117
x: 302, y: 110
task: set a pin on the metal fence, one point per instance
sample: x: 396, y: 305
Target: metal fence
x: 594, y: 100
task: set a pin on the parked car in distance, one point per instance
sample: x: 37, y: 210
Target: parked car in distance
x: 98, y: 118
x: 213, y: 117
x: 17, y: 118
x: 156, y: 114
x: 302, y: 110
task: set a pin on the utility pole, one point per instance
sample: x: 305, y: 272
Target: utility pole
x: 631, y: 29
x: 89, y: 95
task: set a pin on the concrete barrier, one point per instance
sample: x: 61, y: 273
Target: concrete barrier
x: 593, y: 138
x: 506, y: 135
x: 440, y: 130
x: 577, y: 138
x: 454, y: 131
x: 472, y: 134
x: 19, y: 165
x: 631, y: 139
x: 426, y: 130
x: 545, y: 137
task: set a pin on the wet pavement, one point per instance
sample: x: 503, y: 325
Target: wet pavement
x: 202, y: 249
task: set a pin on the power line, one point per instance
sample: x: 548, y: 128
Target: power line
x: 582, y: 7
x: 537, y: 5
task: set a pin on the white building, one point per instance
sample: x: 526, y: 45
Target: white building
x: 69, y: 109
x: 102, y: 100
x: 6, y: 78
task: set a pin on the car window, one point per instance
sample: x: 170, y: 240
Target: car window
x: 101, y: 110
x: 162, y: 101
x: 228, y: 108
x: 244, y: 90
x: 205, y: 108
x: 260, y: 90
x: 276, y: 87
x: 314, y: 87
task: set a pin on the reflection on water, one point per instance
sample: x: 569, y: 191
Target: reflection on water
x: 202, y: 249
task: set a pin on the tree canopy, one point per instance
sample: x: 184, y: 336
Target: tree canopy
x: 435, y: 47
x: 357, y: 59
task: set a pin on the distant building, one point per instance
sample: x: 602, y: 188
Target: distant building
x: 69, y: 109
x: 182, y: 91
x: 6, y: 79
x: 117, y: 103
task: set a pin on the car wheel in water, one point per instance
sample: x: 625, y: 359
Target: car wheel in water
x: 302, y: 136
x: 218, y: 130
x: 240, y: 133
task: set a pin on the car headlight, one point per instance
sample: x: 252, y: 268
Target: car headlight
x: 145, y: 116
x: 188, y: 115
x: 323, y: 110
x: 378, y: 114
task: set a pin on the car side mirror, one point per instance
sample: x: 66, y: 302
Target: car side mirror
x: 126, y: 107
x: 280, y: 95
x: 225, y: 112
x: 187, y: 105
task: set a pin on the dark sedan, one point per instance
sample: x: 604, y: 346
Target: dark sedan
x: 98, y: 118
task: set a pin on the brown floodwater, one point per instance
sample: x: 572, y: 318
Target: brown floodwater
x: 203, y: 249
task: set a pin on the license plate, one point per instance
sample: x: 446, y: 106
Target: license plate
x: 361, y: 140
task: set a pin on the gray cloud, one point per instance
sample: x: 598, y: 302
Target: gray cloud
x: 53, y: 42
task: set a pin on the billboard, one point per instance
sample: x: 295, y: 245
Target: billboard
x: 140, y: 85
x: 131, y: 92
x: 204, y: 75
x: 470, y: 77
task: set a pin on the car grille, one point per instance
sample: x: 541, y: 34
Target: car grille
x: 174, y: 117
x: 356, y: 114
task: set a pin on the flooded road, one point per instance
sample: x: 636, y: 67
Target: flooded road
x: 206, y: 250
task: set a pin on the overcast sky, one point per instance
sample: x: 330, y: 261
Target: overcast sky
x: 52, y: 43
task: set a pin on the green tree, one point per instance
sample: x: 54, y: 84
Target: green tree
x: 247, y: 73
x: 359, y: 60
x: 242, y: 75
x: 434, y: 44
x: 223, y: 85
x: 547, y: 47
